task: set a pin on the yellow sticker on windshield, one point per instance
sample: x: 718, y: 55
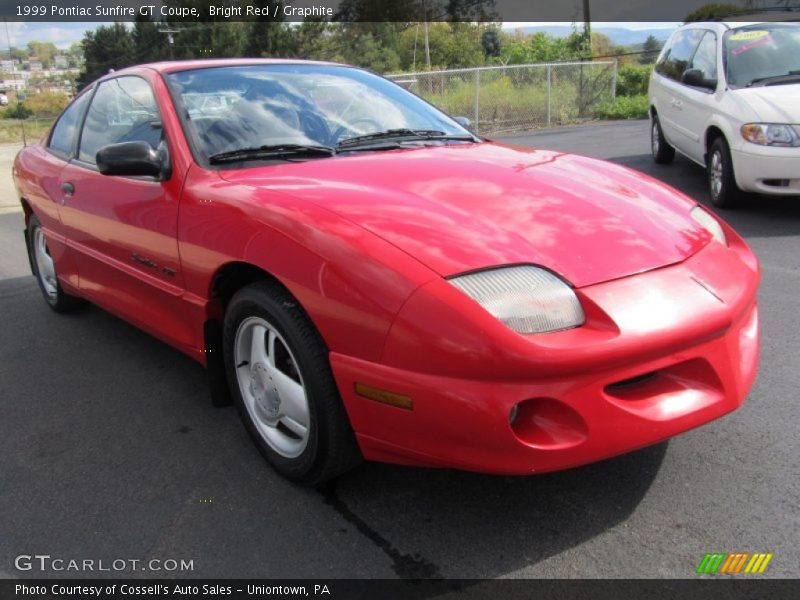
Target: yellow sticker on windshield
x: 748, y: 35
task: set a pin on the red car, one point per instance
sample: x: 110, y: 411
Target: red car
x: 364, y: 277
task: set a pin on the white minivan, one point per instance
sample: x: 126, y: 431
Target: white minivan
x: 727, y: 96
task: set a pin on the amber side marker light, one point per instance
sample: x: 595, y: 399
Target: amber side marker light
x: 384, y: 397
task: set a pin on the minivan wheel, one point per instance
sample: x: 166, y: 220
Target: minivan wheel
x: 283, y: 386
x: 663, y: 153
x: 721, y: 180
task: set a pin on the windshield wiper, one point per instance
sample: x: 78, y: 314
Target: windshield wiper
x: 274, y: 151
x: 786, y: 77
x: 405, y: 134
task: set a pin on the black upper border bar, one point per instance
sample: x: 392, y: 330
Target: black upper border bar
x: 508, y: 11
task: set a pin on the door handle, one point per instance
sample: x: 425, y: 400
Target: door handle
x: 68, y: 188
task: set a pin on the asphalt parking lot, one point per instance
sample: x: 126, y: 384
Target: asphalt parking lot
x: 111, y: 449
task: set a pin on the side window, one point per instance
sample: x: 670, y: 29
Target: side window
x: 675, y: 60
x: 66, y: 130
x: 123, y: 110
x: 705, y: 59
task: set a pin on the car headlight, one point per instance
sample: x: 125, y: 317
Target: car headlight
x: 525, y: 298
x: 770, y: 134
x: 709, y: 223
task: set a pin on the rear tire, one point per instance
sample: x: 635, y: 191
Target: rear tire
x: 663, y: 153
x: 281, y: 381
x: 721, y: 180
x: 44, y: 269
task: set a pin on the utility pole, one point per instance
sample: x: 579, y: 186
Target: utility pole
x: 587, y: 27
x: 425, y: 29
x: 171, y: 40
x: 586, y: 55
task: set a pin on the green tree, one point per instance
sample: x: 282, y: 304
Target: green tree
x: 312, y: 40
x: 149, y: 44
x: 452, y: 45
x: 650, y: 50
x: 267, y: 37
x: 491, y: 42
x: 712, y: 11
x: 519, y: 48
x: 370, y: 53
x: 108, y: 47
x: 74, y: 55
x: 44, y: 51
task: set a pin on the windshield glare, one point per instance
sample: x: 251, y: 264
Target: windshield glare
x: 761, y: 51
x: 229, y: 108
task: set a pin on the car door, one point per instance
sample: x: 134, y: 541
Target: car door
x: 124, y: 229
x: 695, y: 105
x: 669, y: 68
x: 43, y: 192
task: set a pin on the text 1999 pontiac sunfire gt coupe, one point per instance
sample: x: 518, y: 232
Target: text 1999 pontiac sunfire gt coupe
x: 366, y: 278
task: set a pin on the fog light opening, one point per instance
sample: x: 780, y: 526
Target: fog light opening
x: 547, y: 424
x: 777, y: 182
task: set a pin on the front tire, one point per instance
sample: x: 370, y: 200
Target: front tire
x: 282, y: 384
x: 663, y: 153
x: 44, y: 269
x: 721, y: 180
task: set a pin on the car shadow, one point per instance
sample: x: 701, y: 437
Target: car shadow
x: 460, y: 525
x: 94, y: 405
x: 758, y: 215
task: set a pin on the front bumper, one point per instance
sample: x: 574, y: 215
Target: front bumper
x: 692, y: 329
x: 765, y: 170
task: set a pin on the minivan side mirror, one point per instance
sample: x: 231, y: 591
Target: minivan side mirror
x: 695, y: 78
x: 131, y: 159
x: 463, y: 121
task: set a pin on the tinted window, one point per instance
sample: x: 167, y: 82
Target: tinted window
x: 65, y: 131
x: 123, y: 110
x: 675, y: 60
x: 705, y: 59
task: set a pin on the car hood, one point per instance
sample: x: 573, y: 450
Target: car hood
x: 773, y: 103
x: 471, y: 206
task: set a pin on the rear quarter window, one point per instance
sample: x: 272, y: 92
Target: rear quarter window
x: 64, y: 134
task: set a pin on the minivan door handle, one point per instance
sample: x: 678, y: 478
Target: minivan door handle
x: 68, y: 188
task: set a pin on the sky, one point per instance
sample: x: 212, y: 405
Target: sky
x: 60, y: 34
x: 64, y: 34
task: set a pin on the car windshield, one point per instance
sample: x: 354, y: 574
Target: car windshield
x: 261, y: 108
x: 763, y: 54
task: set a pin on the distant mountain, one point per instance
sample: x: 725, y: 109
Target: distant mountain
x: 620, y: 36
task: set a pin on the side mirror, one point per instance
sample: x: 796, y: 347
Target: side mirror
x: 463, y: 121
x: 130, y: 158
x: 695, y: 78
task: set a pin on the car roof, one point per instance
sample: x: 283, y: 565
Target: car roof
x: 172, y: 66
x: 725, y: 25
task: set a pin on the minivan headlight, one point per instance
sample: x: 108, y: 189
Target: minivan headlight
x: 770, y: 134
x: 527, y: 299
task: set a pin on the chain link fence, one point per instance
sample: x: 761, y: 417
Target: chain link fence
x: 505, y: 99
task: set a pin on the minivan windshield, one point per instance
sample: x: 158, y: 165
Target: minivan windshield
x: 301, y: 111
x: 762, y: 54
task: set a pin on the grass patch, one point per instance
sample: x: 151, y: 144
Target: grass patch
x: 517, y: 99
x: 624, y: 107
x: 11, y: 130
